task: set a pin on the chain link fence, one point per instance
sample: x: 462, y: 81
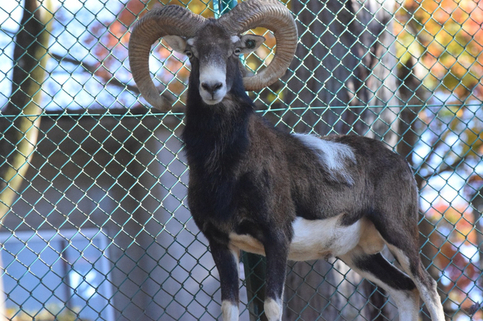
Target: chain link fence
x: 94, y: 222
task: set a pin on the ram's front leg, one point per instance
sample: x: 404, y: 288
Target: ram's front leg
x: 227, y: 263
x: 276, y: 251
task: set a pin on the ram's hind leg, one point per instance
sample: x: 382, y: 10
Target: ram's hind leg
x: 402, y: 241
x: 375, y: 268
x: 427, y: 286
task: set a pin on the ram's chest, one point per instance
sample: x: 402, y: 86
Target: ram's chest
x: 312, y: 239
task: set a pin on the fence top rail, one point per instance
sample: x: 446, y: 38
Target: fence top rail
x: 154, y: 112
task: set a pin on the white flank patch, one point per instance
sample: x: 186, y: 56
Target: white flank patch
x: 318, y: 239
x: 315, y: 239
x: 229, y: 311
x: 332, y: 155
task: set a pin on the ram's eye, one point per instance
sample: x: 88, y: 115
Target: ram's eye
x: 188, y: 53
x: 250, y: 44
x: 237, y: 51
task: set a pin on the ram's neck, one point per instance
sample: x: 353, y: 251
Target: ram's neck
x: 216, y: 136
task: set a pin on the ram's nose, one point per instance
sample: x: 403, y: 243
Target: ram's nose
x: 212, y: 87
x: 212, y: 84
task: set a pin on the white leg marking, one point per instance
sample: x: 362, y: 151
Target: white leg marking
x: 229, y: 311
x: 433, y: 302
x: 430, y: 296
x: 273, y: 309
x: 407, y: 302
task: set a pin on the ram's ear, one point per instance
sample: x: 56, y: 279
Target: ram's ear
x: 249, y: 43
x: 176, y: 42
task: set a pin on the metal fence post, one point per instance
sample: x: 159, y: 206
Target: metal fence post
x: 255, y: 271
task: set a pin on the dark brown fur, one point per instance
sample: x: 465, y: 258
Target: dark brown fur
x: 247, y: 177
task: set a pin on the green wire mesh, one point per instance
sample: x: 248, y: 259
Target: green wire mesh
x: 94, y: 223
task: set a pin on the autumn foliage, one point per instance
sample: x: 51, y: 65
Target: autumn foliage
x: 456, y: 257
x: 447, y: 38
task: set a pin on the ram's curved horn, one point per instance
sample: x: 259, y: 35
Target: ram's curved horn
x: 273, y: 15
x: 157, y: 23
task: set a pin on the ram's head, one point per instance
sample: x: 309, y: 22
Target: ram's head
x: 213, y: 46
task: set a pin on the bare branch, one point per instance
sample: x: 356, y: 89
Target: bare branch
x: 92, y: 70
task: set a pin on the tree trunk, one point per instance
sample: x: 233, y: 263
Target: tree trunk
x: 344, y: 63
x: 21, y: 117
x: 416, y: 95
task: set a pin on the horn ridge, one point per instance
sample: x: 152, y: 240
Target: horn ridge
x: 157, y: 23
x: 273, y: 15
